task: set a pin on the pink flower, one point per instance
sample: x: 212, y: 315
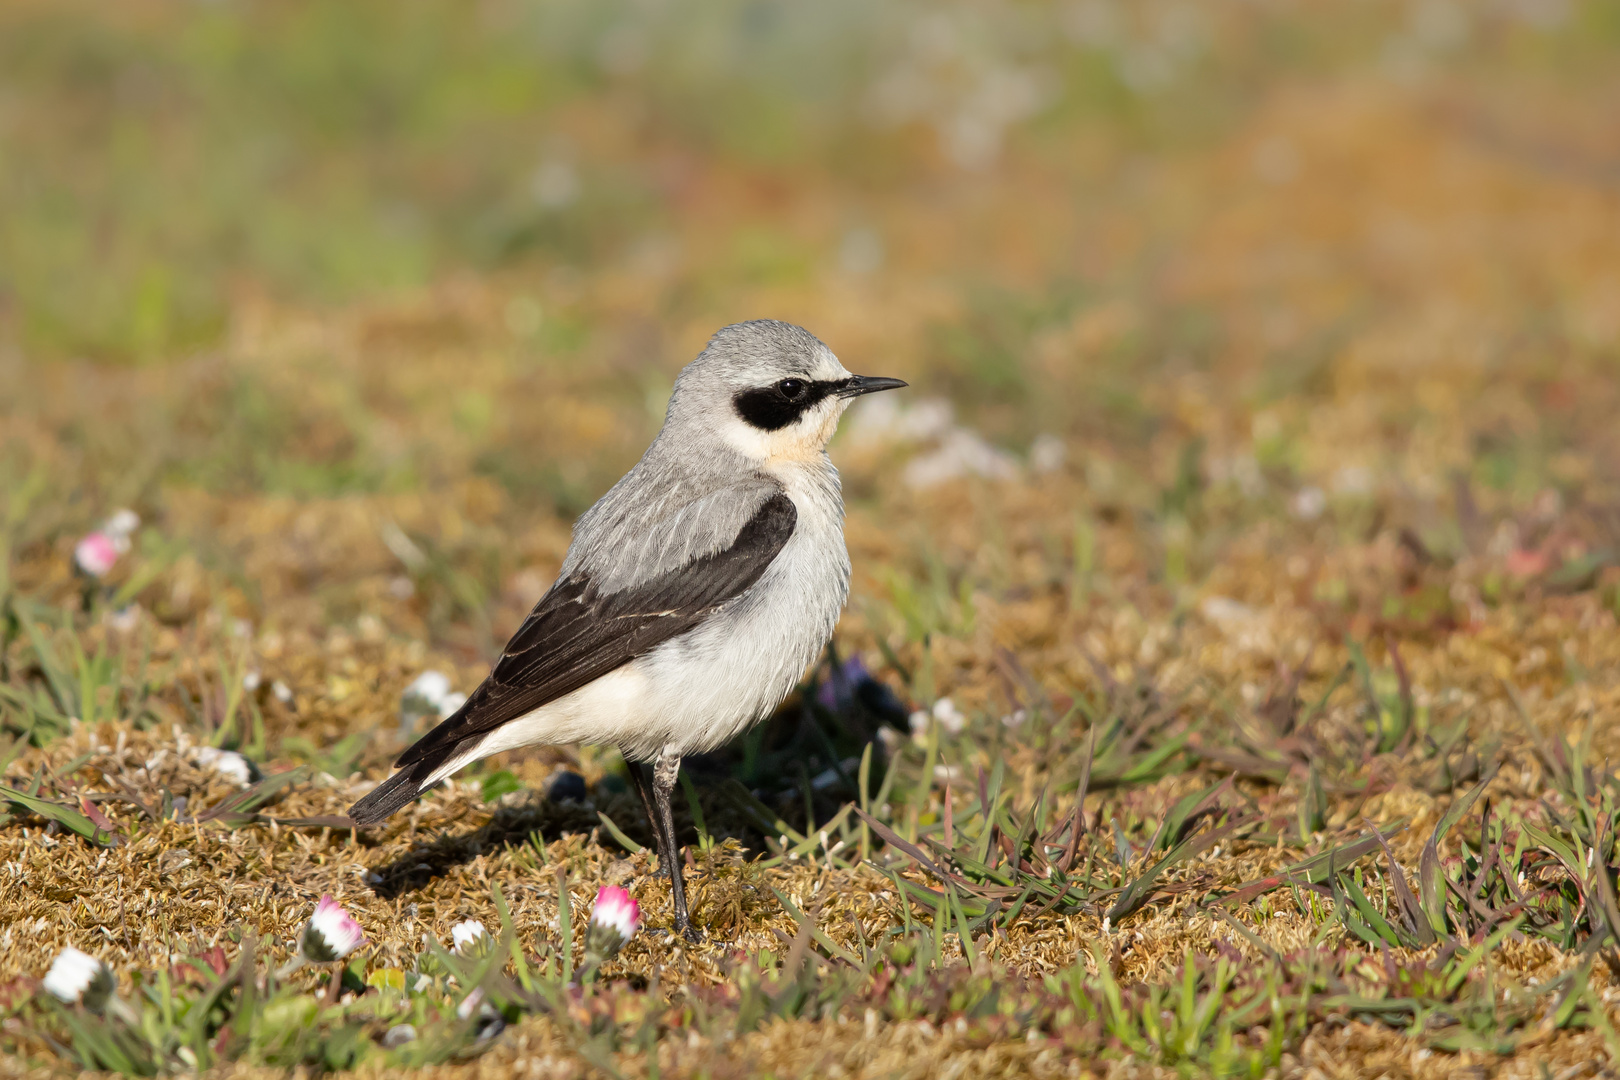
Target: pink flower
x: 330, y: 934
x: 95, y: 554
x: 614, y: 921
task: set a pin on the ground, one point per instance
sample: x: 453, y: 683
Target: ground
x: 1257, y: 483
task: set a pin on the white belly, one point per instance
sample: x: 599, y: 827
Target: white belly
x: 696, y: 691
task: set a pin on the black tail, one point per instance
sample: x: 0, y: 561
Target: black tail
x: 392, y: 794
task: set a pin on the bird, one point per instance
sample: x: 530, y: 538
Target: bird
x: 694, y: 594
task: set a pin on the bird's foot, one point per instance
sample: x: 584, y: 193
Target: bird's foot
x: 689, y: 931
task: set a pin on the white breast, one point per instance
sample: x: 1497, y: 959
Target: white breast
x: 698, y: 690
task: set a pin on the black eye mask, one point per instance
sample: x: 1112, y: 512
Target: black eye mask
x: 774, y: 407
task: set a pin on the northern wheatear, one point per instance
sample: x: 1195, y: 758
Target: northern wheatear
x: 695, y: 593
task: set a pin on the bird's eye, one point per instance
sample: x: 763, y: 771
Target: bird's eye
x: 792, y: 389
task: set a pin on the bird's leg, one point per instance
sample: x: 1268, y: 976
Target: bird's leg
x: 638, y: 778
x: 665, y: 772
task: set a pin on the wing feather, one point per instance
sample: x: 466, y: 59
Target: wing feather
x: 578, y: 633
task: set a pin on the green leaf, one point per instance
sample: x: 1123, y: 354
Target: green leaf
x: 618, y: 834
x: 1431, y: 881
x: 237, y: 810
x: 498, y: 783
x: 1386, y: 933
x: 1136, y: 894
x: 64, y: 816
x: 1313, y: 870
x: 815, y: 931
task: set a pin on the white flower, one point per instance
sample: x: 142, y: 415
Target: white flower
x: 469, y: 938
x: 228, y: 763
x: 430, y: 686
x: 123, y: 522
x: 949, y: 716
x: 330, y: 934
x: 428, y: 695
x: 79, y: 977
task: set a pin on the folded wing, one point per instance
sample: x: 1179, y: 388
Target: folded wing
x: 577, y: 633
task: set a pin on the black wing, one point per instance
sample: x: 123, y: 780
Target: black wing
x: 576, y: 635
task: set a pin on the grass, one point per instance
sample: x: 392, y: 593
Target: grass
x: 1263, y: 727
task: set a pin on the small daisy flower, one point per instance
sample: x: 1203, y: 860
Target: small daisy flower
x: 426, y: 697
x: 78, y: 977
x: 430, y: 687
x: 122, y: 524
x: 949, y: 716
x: 95, y: 554
x: 228, y: 763
x: 330, y: 934
x: 469, y: 938
x: 614, y: 921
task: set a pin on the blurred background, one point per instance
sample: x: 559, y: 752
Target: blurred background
x: 1280, y: 321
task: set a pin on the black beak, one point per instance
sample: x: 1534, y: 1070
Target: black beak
x: 856, y: 385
